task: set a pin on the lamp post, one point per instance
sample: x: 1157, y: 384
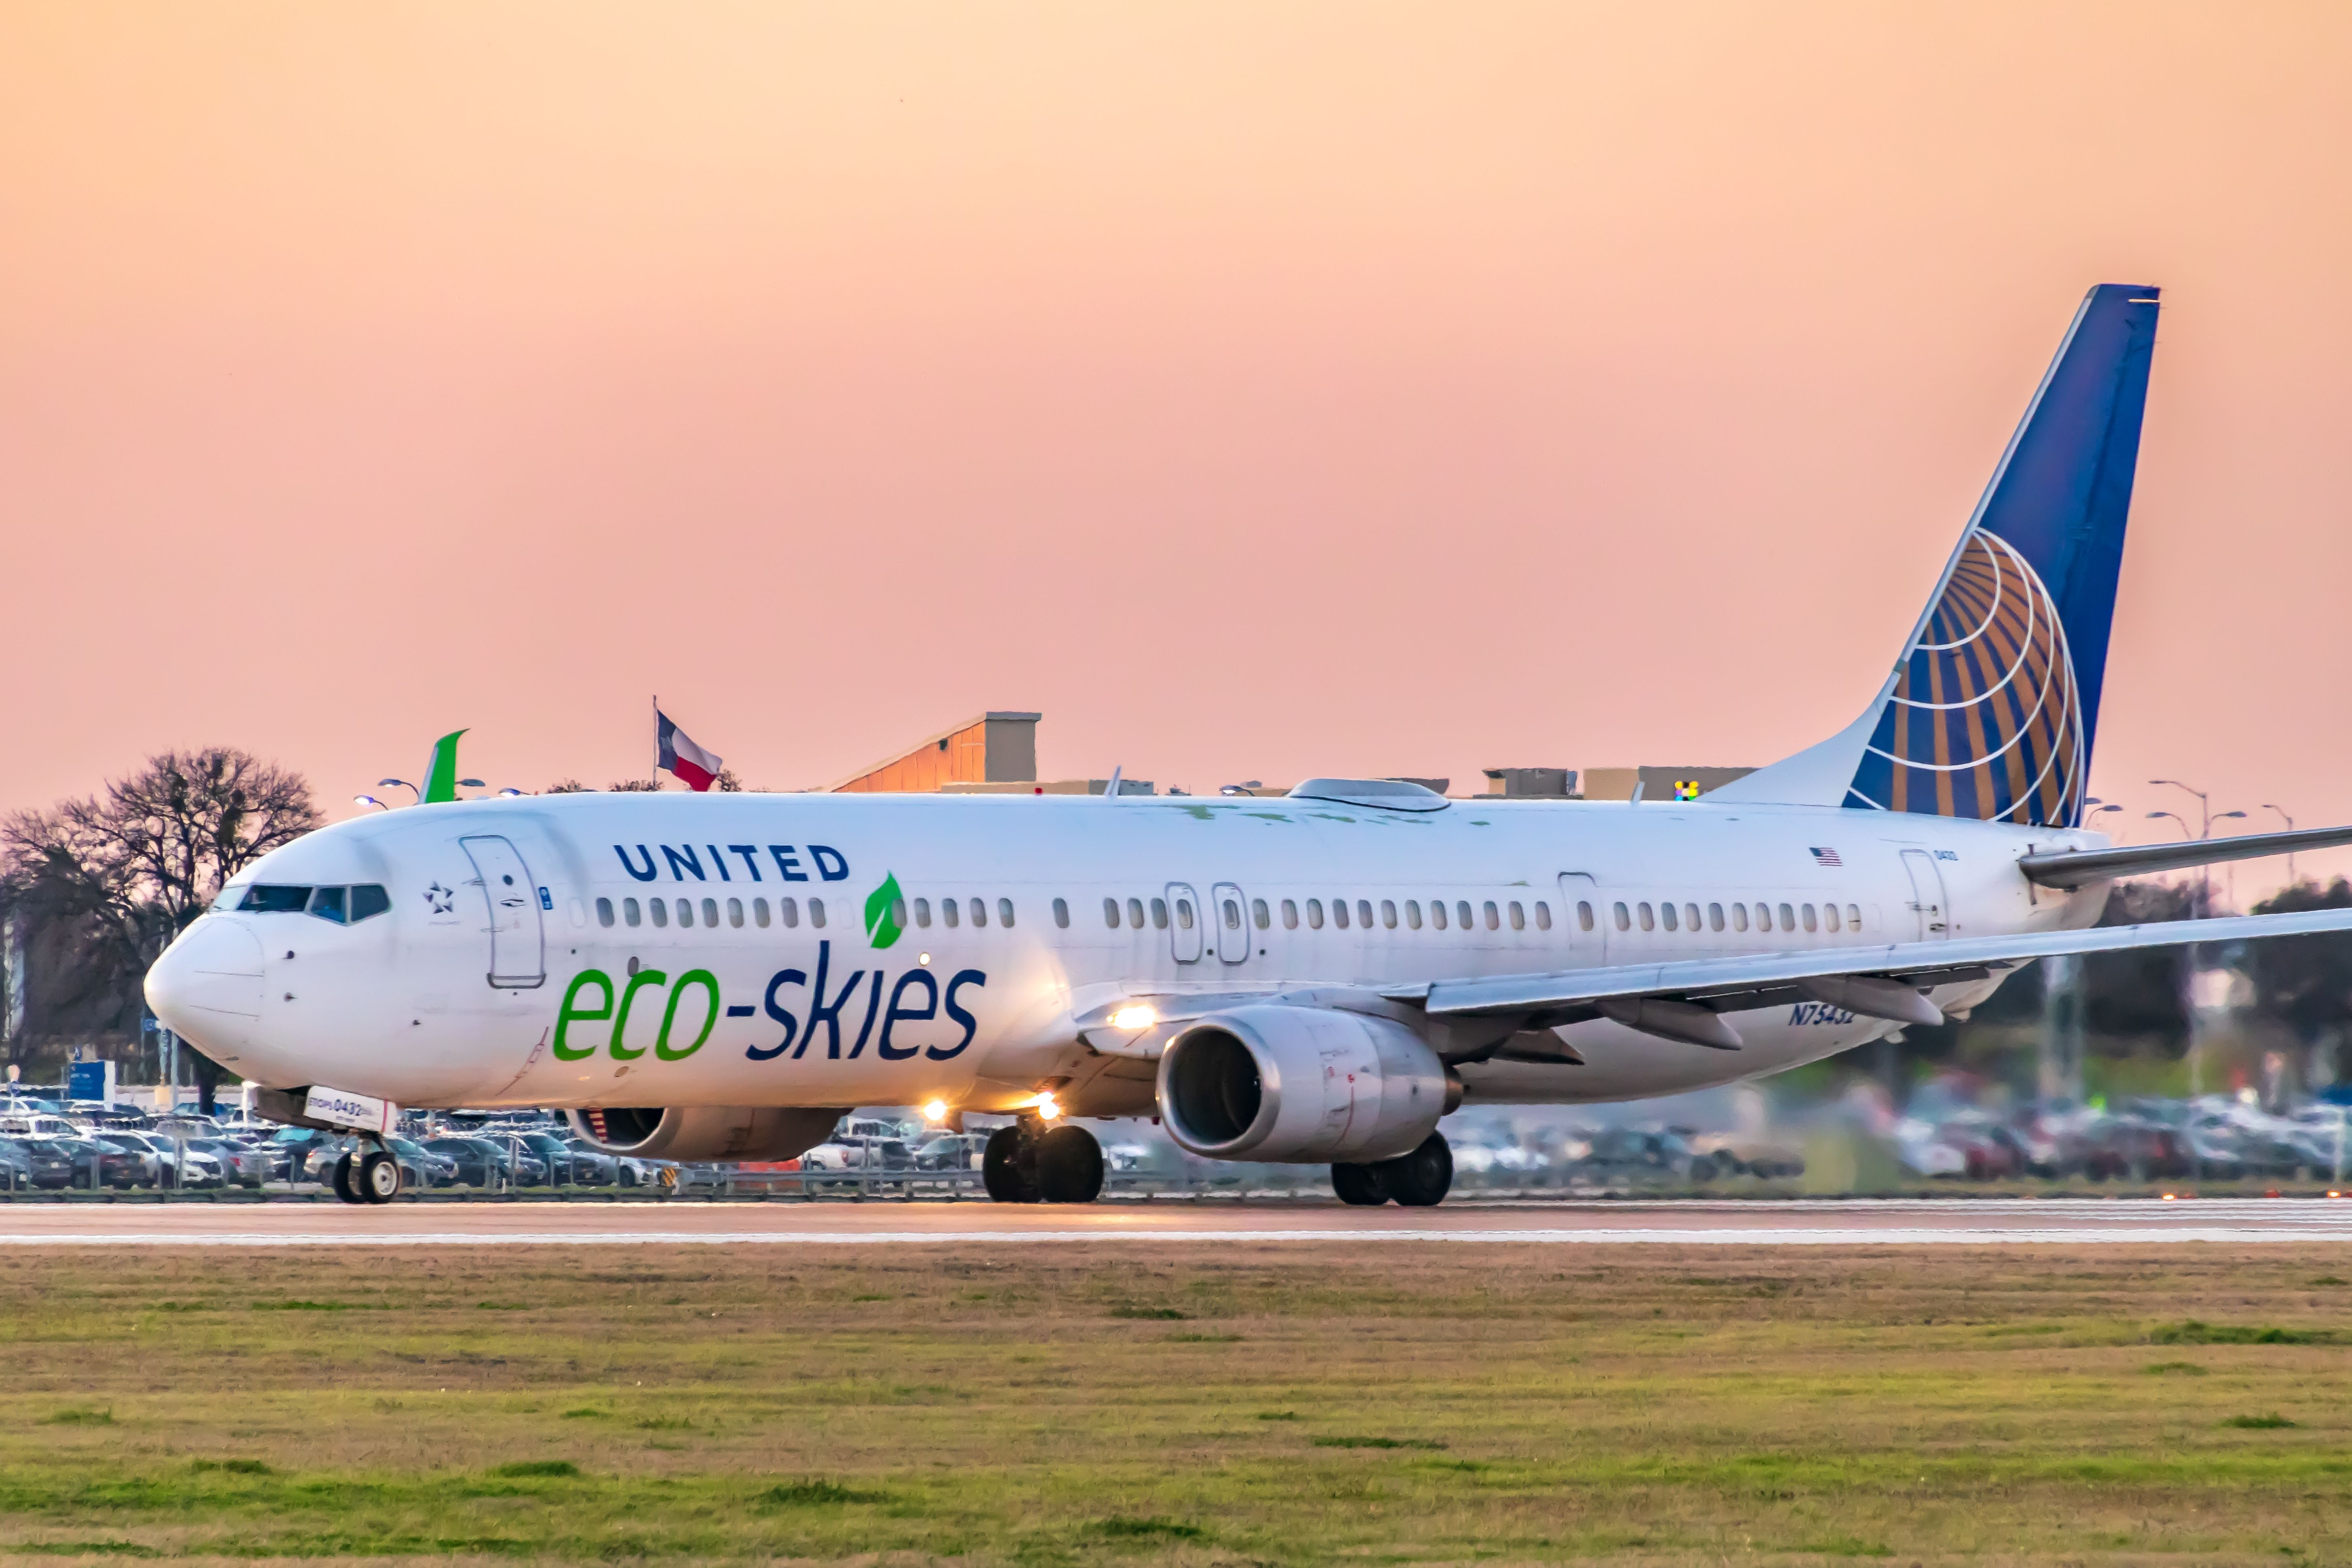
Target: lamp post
x: 2290, y: 828
x: 365, y: 801
x: 403, y: 784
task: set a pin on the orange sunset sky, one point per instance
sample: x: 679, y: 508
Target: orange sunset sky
x: 1258, y: 390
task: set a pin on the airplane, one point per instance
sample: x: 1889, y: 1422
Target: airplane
x: 1316, y: 979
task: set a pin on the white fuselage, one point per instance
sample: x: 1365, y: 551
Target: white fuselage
x: 508, y: 952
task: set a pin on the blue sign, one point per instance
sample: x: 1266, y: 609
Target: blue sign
x: 91, y: 1080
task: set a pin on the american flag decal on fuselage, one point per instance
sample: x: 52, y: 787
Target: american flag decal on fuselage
x: 1826, y: 858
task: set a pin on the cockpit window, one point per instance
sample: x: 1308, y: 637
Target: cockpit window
x: 231, y: 897
x: 341, y: 905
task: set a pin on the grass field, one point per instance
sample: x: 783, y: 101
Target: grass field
x: 1246, y: 1403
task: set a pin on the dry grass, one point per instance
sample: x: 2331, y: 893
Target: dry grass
x: 1236, y: 1404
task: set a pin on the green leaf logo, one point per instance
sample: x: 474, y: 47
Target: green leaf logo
x: 884, y: 908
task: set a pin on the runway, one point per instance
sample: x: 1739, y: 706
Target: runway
x: 1861, y: 1223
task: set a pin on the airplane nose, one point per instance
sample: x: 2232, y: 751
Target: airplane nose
x: 207, y: 985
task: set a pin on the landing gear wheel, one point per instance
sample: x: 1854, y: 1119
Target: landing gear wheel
x: 1420, y: 1180
x: 379, y: 1178
x: 343, y: 1188
x: 1008, y: 1167
x: 1359, y: 1184
x: 1069, y: 1166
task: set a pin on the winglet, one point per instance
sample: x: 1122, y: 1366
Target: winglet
x: 1110, y: 790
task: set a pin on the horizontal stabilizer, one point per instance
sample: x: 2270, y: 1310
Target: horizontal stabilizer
x: 2079, y: 868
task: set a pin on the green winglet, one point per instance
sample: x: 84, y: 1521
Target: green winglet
x: 441, y: 774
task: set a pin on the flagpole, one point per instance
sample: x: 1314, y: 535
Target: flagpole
x: 655, y: 773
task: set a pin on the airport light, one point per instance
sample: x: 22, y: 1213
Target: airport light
x: 2290, y: 828
x: 367, y: 800
x: 403, y: 784
x: 511, y: 793
x: 1138, y: 1016
x: 935, y: 1111
x: 2176, y: 817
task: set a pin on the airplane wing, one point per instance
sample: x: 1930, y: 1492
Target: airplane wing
x: 2076, y: 869
x: 1685, y: 1000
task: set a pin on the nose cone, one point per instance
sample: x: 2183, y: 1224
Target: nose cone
x: 207, y: 985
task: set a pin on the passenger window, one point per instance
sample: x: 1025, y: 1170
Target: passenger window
x: 1231, y: 909
x: 605, y: 912
x: 1584, y: 915
x: 979, y: 912
x: 953, y: 912
x: 1462, y: 913
x: 686, y: 912
x: 1258, y: 912
x: 660, y: 908
x: 1290, y: 914
x: 1830, y: 916
x: 1135, y: 913
x: 629, y: 910
x: 1763, y: 917
x: 1787, y: 918
x: 369, y: 899
x: 709, y: 912
x: 1690, y: 916
x: 898, y: 914
x: 1183, y: 914
x: 1714, y: 916
x: 1110, y: 914
x: 327, y: 903
x: 1809, y: 924
x: 1388, y: 914
x: 816, y: 913
x: 1492, y: 923
x: 1624, y: 923
x: 1518, y: 916
x: 1159, y: 914
x: 787, y: 910
x: 1412, y: 913
x: 1648, y: 923
x: 1673, y: 923
x: 1314, y: 914
x: 922, y: 913
x: 1003, y: 913
x: 1061, y: 914
x: 759, y: 913
x: 1543, y: 915
x: 1739, y: 917
x: 1364, y: 913
x: 735, y: 912
x: 1339, y: 913
x: 1853, y: 916
x: 1437, y: 913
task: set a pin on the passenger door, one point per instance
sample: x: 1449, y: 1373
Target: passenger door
x: 1927, y: 895
x: 1231, y: 913
x: 518, y: 944
x: 1184, y: 923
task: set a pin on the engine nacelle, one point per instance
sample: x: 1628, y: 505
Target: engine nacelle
x: 1301, y: 1085
x: 706, y: 1131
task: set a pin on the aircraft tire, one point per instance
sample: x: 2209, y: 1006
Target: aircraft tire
x: 1069, y: 1166
x: 1009, y: 1178
x: 1420, y: 1180
x: 1359, y: 1184
x: 343, y: 1187
x: 379, y: 1178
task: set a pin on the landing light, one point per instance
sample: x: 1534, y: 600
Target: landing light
x: 1140, y: 1015
x: 936, y: 1110
x: 1047, y: 1110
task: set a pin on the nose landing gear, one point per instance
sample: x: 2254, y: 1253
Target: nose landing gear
x: 1418, y: 1180
x: 1029, y: 1162
x: 373, y: 1178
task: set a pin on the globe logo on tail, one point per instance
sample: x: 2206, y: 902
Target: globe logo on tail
x: 1985, y: 719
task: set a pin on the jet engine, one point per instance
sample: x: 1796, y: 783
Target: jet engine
x: 706, y: 1131
x: 1301, y: 1085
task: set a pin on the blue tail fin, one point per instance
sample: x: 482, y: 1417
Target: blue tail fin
x: 1992, y: 710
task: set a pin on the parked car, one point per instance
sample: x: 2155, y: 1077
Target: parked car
x: 421, y: 1168
x: 243, y: 1163
x: 97, y: 1165
x: 177, y: 1164
x: 953, y: 1151
x: 289, y: 1150
x: 52, y: 1162
x: 481, y: 1162
x: 16, y: 1164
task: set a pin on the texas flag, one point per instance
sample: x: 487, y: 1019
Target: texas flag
x: 681, y: 756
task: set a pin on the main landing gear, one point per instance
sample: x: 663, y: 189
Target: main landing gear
x: 1030, y: 1162
x: 373, y: 1178
x: 1418, y: 1180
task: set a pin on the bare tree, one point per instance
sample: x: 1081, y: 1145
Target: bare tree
x: 130, y: 868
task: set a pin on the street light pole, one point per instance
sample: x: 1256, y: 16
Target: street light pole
x: 2290, y: 828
